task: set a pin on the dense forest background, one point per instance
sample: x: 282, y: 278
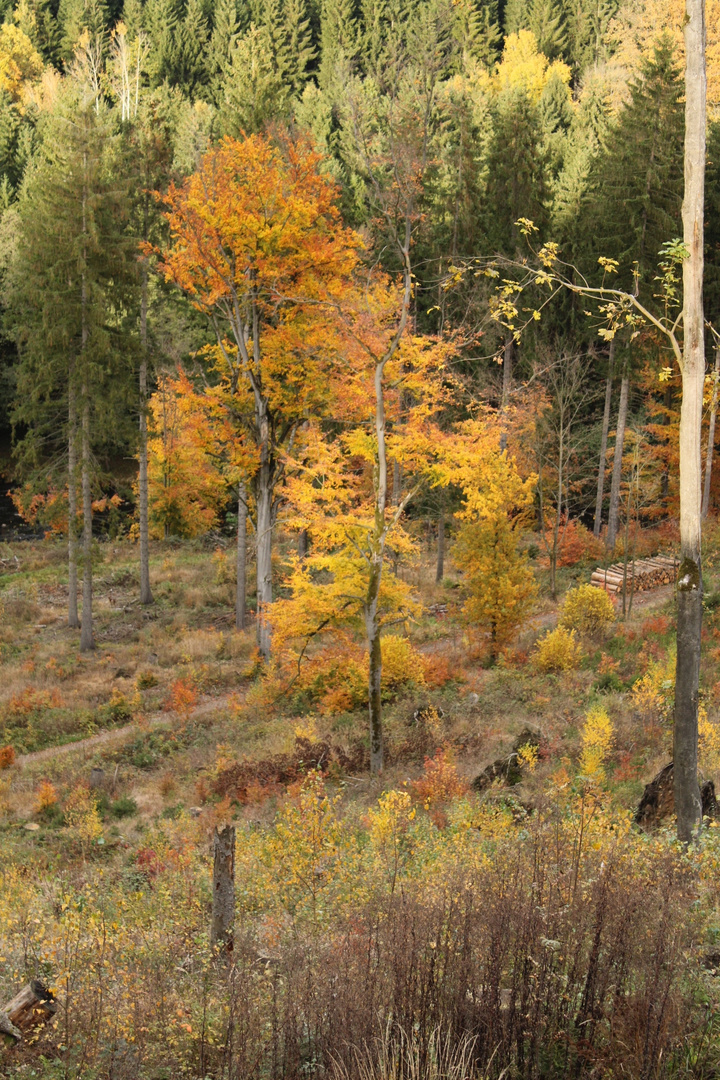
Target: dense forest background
x: 565, y: 112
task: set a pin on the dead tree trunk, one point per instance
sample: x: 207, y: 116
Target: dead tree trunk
x: 73, y: 618
x: 617, y: 462
x: 440, y: 568
x: 223, y: 904
x: 689, y: 615
x: 34, y: 1005
x: 241, y: 562
x: 597, y: 523
x: 146, y: 596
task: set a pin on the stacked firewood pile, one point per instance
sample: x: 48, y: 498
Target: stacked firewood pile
x: 642, y: 574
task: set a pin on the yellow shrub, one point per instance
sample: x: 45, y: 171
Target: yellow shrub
x: 587, y: 609
x: 558, y: 651
x: 401, y: 663
x: 708, y: 743
x: 654, y: 693
x: 81, y: 814
x: 598, y: 736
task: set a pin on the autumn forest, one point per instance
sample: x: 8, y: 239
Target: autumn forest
x: 359, y: 539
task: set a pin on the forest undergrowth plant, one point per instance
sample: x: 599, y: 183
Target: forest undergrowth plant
x: 588, y: 610
x: 558, y: 650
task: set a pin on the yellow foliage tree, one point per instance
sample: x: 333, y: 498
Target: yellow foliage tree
x: 500, y: 581
x: 20, y: 62
x: 186, y: 488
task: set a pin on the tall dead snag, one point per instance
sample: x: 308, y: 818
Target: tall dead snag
x: 689, y: 619
x: 223, y: 904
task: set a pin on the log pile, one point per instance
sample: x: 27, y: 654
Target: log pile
x: 642, y: 574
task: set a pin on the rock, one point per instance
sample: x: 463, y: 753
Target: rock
x: 195, y: 811
x: 508, y: 768
x: 31, y: 826
x: 473, y: 699
x: 658, y: 800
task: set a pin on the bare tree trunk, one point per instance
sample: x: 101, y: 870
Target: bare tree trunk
x: 711, y: 436
x: 689, y: 619
x: 597, y: 523
x: 241, y: 564
x: 87, y: 640
x: 440, y: 568
x: 617, y: 463
x: 302, y: 544
x: 223, y: 902
x: 146, y: 596
x: 73, y: 620
x: 264, y: 559
x: 506, y: 385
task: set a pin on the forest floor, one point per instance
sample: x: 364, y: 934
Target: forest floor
x: 161, y: 705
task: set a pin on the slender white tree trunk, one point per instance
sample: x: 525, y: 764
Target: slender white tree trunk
x: 710, y: 453
x: 241, y: 585
x: 73, y: 619
x: 597, y: 523
x: 689, y: 619
x: 617, y: 462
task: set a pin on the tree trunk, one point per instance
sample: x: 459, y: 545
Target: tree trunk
x: 302, y: 544
x: 73, y: 620
x: 689, y: 620
x: 87, y: 640
x: 506, y: 385
x: 597, y: 523
x: 440, y: 568
x: 372, y: 629
x: 223, y: 902
x: 711, y: 437
x: 146, y: 596
x: 264, y: 560
x: 617, y: 463
x: 241, y: 567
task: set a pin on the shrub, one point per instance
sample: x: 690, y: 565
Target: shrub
x: 83, y: 817
x: 576, y: 543
x: 7, y: 757
x: 440, y: 781
x: 654, y: 693
x: 598, y: 737
x: 401, y: 663
x: 123, y: 807
x: 558, y: 651
x: 45, y: 797
x: 587, y: 609
x: 182, y: 698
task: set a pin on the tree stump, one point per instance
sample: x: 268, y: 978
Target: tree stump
x: 223, y: 907
x: 658, y: 800
x: 34, y: 1005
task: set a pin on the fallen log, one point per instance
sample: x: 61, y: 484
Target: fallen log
x: 34, y: 1005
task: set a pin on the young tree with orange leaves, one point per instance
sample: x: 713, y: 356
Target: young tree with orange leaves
x: 258, y: 245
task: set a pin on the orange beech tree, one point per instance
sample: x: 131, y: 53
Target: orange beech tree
x: 258, y: 245
x: 186, y: 491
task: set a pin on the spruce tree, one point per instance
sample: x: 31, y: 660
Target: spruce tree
x: 70, y: 279
x: 338, y: 39
x: 546, y: 20
x: 78, y: 16
x: 633, y: 206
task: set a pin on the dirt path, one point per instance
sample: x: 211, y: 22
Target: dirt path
x: 206, y: 706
